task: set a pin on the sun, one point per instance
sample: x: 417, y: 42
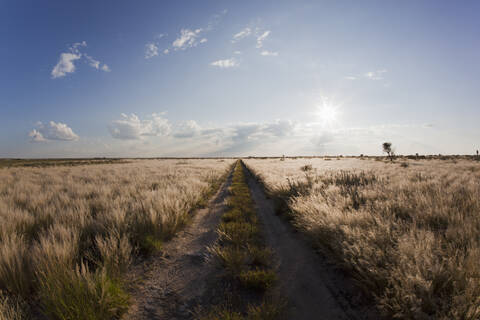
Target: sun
x: 327, y: 113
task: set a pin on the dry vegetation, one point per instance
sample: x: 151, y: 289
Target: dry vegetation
x: 407, y: 231
x: 245, y: 258
x: 68, y: 234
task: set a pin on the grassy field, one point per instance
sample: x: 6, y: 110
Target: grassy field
x: 407, y: 231
x: 69, y: 232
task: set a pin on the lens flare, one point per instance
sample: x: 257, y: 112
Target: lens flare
x: 327, y: 113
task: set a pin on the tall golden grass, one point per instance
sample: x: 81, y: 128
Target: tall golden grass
x: 408, y: 231
x: 67, y: 234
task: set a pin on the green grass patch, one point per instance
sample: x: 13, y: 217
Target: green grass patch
x: 81, y: 295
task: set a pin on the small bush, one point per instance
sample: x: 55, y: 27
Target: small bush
x: 258, y: 279
x: 238, y: 233
x: 306, y: 168
x: 259, y: 256
x: 232, y: 258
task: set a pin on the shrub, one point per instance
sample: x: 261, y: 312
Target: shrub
x: 258, y: 279
x: 306, y: 168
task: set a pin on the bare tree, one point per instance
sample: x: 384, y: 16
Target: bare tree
x: 387, y: 148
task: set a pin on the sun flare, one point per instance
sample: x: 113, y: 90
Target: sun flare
x: 327, y: 113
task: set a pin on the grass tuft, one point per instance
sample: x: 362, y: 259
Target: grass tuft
x: 258, y: 279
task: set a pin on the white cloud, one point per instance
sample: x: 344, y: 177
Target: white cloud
x: 187, y: 129
x: 242, y: 34
x: 262, y: 38
x: 92, y: 62
x: 151, y: 50
x: 187, y: 39
x: 52, y: 131
x: 375, y: 75
x: 66, y: 63
x: 36, y: 136
x: 237, y: 52
x: 269, y: 53
x: 190, y: 38
x: 226, y: 63
x: 132, y: 128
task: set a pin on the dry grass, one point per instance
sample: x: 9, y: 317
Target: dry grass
x: 243, y: 254
x: 67, y: 234
x: 409, y: 232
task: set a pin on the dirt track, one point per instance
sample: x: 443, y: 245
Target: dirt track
x: 181, y: 281
x: 174, y: 284
x: 313, y: 288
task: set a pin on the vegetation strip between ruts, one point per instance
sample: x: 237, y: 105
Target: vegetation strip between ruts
x: 245, y: 259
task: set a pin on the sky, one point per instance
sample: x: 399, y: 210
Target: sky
x: 153, y: 78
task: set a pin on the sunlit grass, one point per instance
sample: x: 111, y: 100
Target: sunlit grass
x: 408, y: 234
x: 69, y: 233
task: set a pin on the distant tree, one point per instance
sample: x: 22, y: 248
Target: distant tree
x: 387, y: 148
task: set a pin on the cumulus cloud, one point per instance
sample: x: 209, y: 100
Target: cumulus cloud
x: 261, y: 38
x: 187, y: 129
x: 375, y: 75
x: 65, y: 65
x: 66, y: 62
x: 226, y: 63
x: 269, y: 53
x: 131, y: 127
x: 151, y: 50
x: 247, y: 138
x: 36, y: 136
x: 92, y: 62
x: 242, y: 34
x: 187, y: 39
x: 52, y: 131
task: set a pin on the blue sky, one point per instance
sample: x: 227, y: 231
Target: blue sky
x: 223, y: 78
